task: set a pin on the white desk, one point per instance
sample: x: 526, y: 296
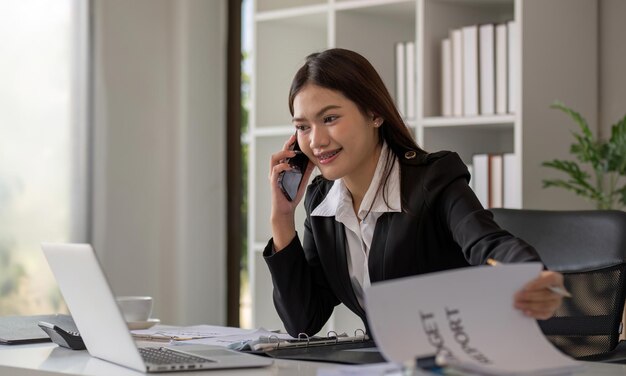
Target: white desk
x: 48, y: 359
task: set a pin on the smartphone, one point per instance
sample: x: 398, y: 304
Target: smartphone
x: 289, y: 181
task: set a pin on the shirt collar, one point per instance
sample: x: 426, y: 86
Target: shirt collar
x: 338, y: 199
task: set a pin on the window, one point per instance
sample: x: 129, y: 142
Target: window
x: 245, y: 299
x: 43, y: 183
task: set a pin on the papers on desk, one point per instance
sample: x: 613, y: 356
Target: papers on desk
x: 467, y: 317
x: 203, y: 334
x: 380, y: 369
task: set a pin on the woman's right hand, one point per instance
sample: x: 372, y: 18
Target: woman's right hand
x: 283, y: 210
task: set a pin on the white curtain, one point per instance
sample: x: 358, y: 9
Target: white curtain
x: 43, y: 145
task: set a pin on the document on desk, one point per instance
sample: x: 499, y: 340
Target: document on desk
x: 466, y: 316
x: 203, y: 334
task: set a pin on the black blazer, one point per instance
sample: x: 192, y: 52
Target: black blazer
x: 442, y: 226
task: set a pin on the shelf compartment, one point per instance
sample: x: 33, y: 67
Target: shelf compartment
x: 281, y: 48
x: 439, y: 18
x: 380, y: 27
x: 277, y: 7
x: 468, y: 140
x: 476, y: 122
x: 271, y: 131
x: 264, y: 314
x: 393, y: 8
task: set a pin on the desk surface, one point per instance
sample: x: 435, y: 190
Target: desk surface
x: 35, y: 359
x: 49, y: 359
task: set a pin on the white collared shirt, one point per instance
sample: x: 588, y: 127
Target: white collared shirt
x: 338, y: 203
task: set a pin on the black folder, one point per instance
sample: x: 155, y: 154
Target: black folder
x: 16, y: 330
x: 345, y: 353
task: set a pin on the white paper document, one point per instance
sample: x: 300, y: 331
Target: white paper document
x: 378, y: 369
x: 467, y: 317
x: 204, y: 334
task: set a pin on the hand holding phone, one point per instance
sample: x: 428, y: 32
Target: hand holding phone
x: 289, y: 181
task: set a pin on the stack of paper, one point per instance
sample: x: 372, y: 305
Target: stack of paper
x: 204, y: 334
x: 466, y: 316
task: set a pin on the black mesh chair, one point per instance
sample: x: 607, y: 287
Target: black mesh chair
x: 589, y: 248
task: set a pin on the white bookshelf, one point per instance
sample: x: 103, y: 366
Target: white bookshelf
x: 468, y: 121
x: 556, y: 59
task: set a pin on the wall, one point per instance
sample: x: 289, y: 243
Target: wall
x: 609, y: 82
x: 612, y: 96
x: 159, y: 166
x: 558, y: 63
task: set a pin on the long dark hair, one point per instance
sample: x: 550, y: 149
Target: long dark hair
x: 353, y: 76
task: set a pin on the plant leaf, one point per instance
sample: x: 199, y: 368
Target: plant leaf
x: 622, y: 195
x: 587, y: 149
x: 616, y: 148
x: 582, y: 123
x: 578, y: 182
x: 579, y: 176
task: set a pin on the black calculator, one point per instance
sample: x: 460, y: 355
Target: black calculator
x: 62, y: 337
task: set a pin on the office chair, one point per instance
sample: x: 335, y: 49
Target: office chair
x: 589, y: 249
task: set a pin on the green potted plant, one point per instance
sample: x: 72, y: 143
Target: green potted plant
x: 606, y: 158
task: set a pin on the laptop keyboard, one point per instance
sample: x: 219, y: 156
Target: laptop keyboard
x: 156, y: 355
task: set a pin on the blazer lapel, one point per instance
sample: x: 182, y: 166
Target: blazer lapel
x: 376, y: 259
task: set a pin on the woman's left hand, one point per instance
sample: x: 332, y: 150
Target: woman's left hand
x: 536, y: 300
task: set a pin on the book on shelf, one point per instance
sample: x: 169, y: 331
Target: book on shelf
x: 502, y: 86
x: 405, y: 79
x: 480, y: 164
x: 446, y: 77
x: 495, y: 181
x: 512, y: 185
x: 410, y: 79
x: 478, y: 72
x: 512, y: 63
x: 470, y: 70
x: 456, y: 40
x: 401, y: 77
x: 487, y: 72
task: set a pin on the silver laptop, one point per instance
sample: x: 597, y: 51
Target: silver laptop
x: 104, y: 331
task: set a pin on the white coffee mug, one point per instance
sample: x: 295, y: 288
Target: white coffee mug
x: 135, y: 308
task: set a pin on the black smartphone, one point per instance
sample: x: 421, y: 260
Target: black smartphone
x: 289, y: 181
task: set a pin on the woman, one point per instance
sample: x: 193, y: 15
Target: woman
x: 382, y: 208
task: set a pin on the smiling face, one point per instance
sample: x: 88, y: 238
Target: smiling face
x: 341, y: 140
